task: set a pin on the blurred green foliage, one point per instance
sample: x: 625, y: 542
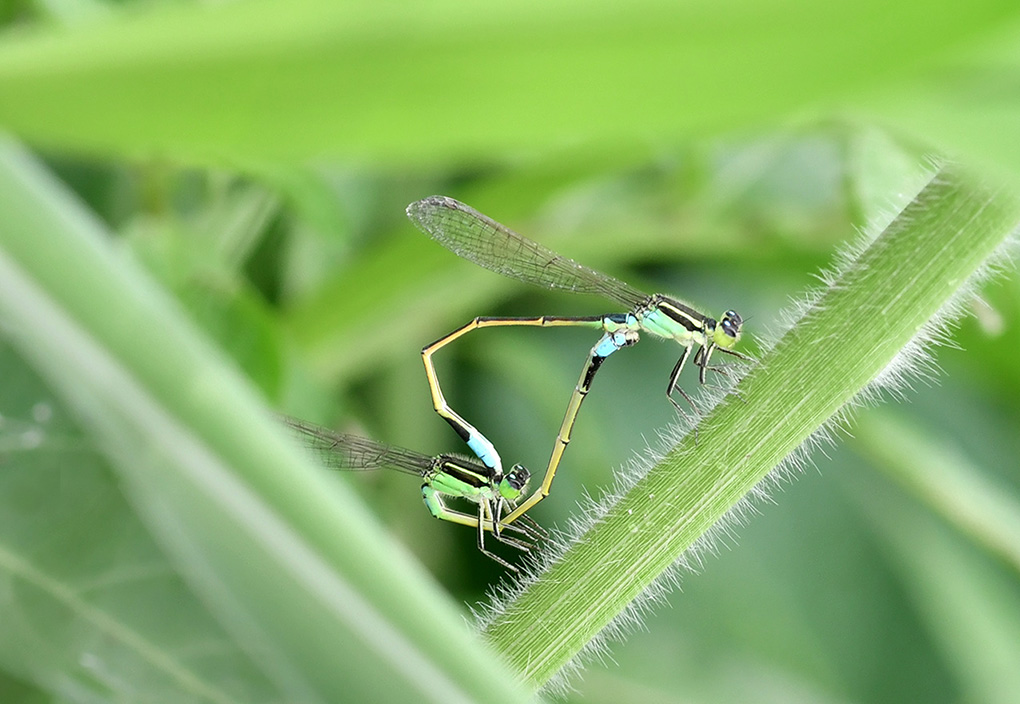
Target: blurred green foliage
x: 256, y: 158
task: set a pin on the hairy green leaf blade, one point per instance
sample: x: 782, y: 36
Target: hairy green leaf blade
x: 857, y: 328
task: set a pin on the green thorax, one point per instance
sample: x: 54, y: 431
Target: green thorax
x: 467, y: 478
x: 461, y: 476
x: 667, y: 317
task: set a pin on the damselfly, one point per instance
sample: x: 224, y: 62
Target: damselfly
x: 446, y: 475
x: 479, y: 239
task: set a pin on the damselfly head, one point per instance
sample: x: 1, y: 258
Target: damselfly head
x: 727, y: 330
x: 515, y: 482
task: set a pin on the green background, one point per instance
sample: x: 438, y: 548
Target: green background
x: 254, y: 159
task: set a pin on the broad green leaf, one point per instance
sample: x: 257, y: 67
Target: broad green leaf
x: 971, y: 608
x: 291, y: 564
x: 92, y: 609
x: 451, y: 79
x: 940, y: 476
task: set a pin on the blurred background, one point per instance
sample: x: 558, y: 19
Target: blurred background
x: 232, y: 150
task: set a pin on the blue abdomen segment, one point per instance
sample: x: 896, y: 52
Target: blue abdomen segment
x: 485, y: 450
x: 621, y: 331
x: 606, y: 346
x: 610, y: 342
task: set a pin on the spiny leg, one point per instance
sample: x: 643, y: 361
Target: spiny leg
x: 531, y: 526
x: 494, y: 518
x: 674, y: 385
x: 702, y: 360
x: 704, y: 355
x: 437, y: 507
x: 522, y: 545
x: 527, y: 525
x: 481, y: 539
x: 497, y: 526
x: 725, y: 372
x: 524, y: 526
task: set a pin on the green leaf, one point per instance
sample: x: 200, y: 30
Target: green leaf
x: 862, y: 328
x: 971, y: 608
x: 292, y: 565
x: 92, y: 609
x: 940, y: 476
x: 448, y: 79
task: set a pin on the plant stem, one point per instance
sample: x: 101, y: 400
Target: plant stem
x: 882, y: 301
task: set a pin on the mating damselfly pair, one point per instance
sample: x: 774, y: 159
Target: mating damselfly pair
x: 501, y: 496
